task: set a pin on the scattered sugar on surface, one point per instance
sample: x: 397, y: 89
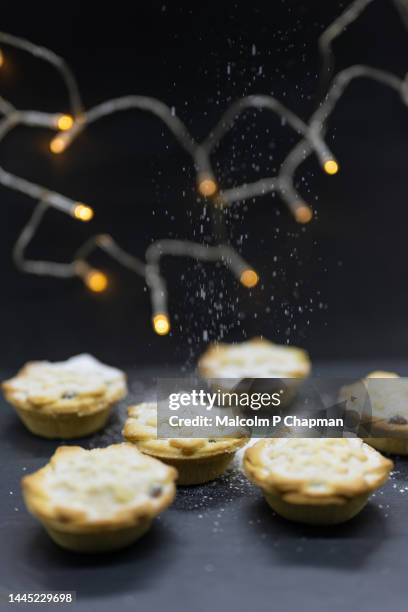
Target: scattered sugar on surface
x: 215, y: 503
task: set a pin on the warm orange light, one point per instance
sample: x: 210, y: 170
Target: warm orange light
x: 1, y: 58
x: 161, y: 324
x: 96, y: 281
x: 249, y: 278
x: 83, y: 212
x: 57, y: 145
x: 65, y: 122
x: 207, y: 187
x: 303, y: 214
x: 331, y: 166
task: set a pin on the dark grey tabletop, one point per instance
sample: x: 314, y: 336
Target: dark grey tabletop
x: 218, y: 547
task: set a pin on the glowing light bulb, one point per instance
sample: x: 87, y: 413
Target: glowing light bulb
x: 249, y: 278
x: 303, y: 214
x: 83, y: 212
x: 1, y: 58
x: 161, y: 324
x: 207, y: 187
x: 57, y: 145
x: 331, y: 166
x: 64, y: 122
x: 96, y: 281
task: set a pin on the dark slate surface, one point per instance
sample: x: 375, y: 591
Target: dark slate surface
x: 218, y: 547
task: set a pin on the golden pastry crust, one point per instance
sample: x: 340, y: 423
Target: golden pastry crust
x: 387, y: 417
x: 393, y: 427
x: 81, y: 385
x: 256, y: 358
x: 312, y: 471
x: 383, y: 405
x: 141, y: 429
x: 97, y: 491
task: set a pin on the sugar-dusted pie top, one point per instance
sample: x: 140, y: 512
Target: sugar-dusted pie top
x: 314, y: 470
x: 381, y: 397
x: 141, y: 429
x: 103, y: 486
x: 256, y: 358
x: 80, y: 384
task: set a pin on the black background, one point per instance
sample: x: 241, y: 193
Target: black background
x: 338, y: 286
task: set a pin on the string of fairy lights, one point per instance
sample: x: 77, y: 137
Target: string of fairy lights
x: 67, y: 127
